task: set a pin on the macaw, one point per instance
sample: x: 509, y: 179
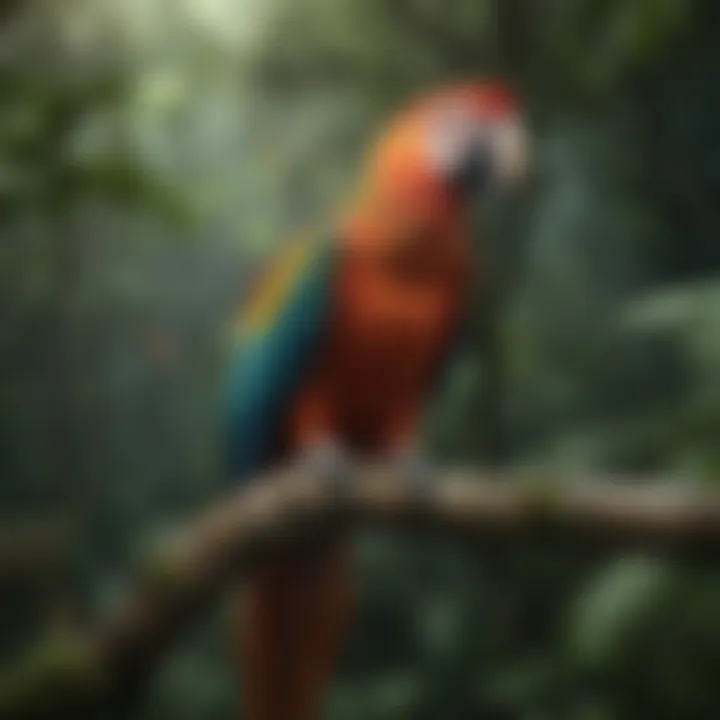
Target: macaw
x: 338, y: 349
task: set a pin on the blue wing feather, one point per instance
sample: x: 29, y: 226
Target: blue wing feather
x: 268, y: 363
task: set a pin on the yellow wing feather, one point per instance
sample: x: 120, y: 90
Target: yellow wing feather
x: 273, y: 287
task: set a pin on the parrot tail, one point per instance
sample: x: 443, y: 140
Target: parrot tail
x: 292, y: 626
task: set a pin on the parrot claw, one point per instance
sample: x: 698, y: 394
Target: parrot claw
x: 328, y: 460
x: 416, y: 471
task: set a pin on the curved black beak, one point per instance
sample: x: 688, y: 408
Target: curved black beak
x: 472, y: 177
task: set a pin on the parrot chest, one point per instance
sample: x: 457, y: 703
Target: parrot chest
x: 378, y: 315
x: 388, y: 332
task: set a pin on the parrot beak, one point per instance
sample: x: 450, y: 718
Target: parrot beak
x: 499, y: 161
x: 472, y: 177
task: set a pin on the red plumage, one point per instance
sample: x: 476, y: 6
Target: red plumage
x: 399, y: 288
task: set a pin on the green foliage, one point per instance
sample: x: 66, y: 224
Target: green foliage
x: 130, y: 127
x: 616, y: 610
x: 51, y: 674
x: 606, y: 40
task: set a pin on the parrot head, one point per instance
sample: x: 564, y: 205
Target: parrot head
x: 457, y: 141
x: 442, y: 154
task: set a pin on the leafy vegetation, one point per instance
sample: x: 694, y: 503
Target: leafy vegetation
x: 152, y: 152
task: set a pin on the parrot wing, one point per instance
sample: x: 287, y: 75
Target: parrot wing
x: 275, y: 339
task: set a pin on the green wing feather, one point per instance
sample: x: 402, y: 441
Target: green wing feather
x: 276, y: 338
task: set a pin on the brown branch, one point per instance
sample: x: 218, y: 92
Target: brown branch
x: 242, y: 531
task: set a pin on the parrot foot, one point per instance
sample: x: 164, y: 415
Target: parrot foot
x: 416, y: 471
x: 328, y: 460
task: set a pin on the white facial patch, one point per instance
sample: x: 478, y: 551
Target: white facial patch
x: 452, y: 134
x: 455, y: 133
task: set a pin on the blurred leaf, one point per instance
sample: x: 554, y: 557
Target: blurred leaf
x: 123, y: 180
x: 616, y: 609
x: 676, y: 307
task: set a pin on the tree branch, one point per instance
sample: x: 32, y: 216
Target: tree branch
x: 242, y: 531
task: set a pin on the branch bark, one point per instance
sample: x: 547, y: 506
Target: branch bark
x: 110, y: 667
